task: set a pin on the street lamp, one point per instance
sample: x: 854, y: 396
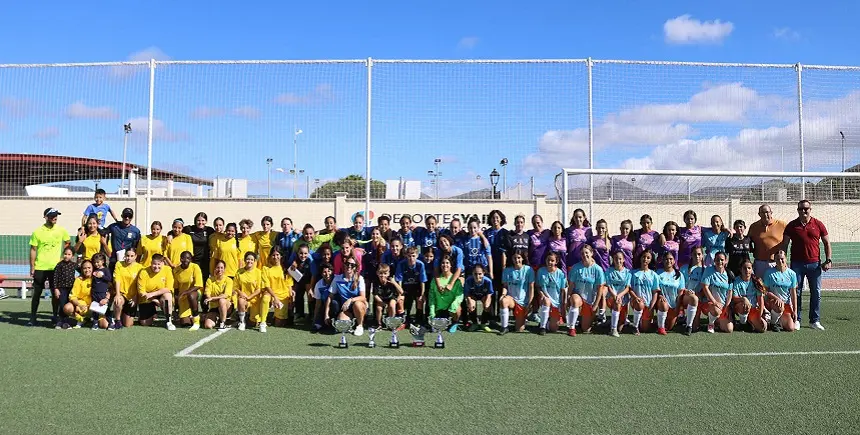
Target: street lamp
x: 295, y: 171
x: 504, y: 164
x: 269, y: 177
x: 436, y: 174
x: 477, y: 183
x: 127, y: 129
x: 494, y: 180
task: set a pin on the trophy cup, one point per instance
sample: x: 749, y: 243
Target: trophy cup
x: 418, y: 333
x: 343, y: 326
x: 394, y: 323
x: 371, y: 333
x: 439, y: 324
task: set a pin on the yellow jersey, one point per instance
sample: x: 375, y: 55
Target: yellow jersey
x: 249, y: 281
x: 82, y: 291
x: 149, y: 281
x: 184, y: 279
x: 92, y: 246
x: 246, y: 245
x: 280, y: 283
x: 216, y: 287
x: 264, y: 241
x: 228, y: 252
x: 126, y: 276
x: 150, y: 246
x: 177, y: 246
x: 215, y: 241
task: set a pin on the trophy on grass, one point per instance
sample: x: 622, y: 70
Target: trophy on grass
x: 393, y: 323
x: 371, y: 333
x: 418, y: 333
x: 439, y: 324
x: 343, y: 326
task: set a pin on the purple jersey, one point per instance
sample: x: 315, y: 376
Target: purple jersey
x: 537, y: 246
x: 690, y: 238
x: 649, y: 240
x: 670, y: 246
x: 621, y: 243
x: 601, y: 251
x: 576, y: 239
x: 559, y: 247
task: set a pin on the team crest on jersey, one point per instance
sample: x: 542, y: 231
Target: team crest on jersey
x: 474, y: 252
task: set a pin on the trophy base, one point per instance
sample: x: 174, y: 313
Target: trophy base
x: 439, y: 345
x: 371, y: 345
x: 394, y: 345
x: 417, y: 344
x: 342, y: 346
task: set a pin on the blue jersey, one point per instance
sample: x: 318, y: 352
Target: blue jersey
x: 618, y: 280
x: 428, y: 269
x: 644, y: 283
x: 712, y: 243
x: 361, y: 236
x: 745, y: 289
x: 122, y: 238
x: 478, y: 290
x: 780, y: 283
x: 322, y: 289
x: 585, y: 281
x: 456, y: 259
x: 101, y: 286
x: 498, y: 242
x: 284, y: 243
x: 693, y: 277
x: 410, y: 276
x: 101, y: 212
x: 425, y: 238
x: 392, y: 260
x: 408, y: 239
x: 341, y: 289
x: 718, y: 284
x: 671, y: 284
x: 476, y: 252
x: 517, y: 282
x: 551, y: 284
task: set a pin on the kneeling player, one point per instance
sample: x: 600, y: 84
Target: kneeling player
x: 717, y: 291
x: 219, y: 295
x: 478, y: 288
x: 748, y: 300
x: 80, y: 298
x: 587, y: 283
x: 188, y: 280
x: 617, y: 289
x: 443, y: 300
x: 155, y: 289
x: 280, y: 288
x: 125, y: 290
x: 388, y: 297
x: 674, y: 296
x: 346, y: 299
x: 644, y: 285
x: 518, y: 285
x: 553, y: 289
x: 781, y: 299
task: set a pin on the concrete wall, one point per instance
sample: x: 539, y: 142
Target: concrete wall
x: 21, y: 215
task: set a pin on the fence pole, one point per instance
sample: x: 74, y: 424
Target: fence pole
x: 367, y: 139
x: 589, y: 64
x: 799, y: 69
x: 148, y: 202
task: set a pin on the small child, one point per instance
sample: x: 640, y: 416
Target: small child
x: 478, y: 288
x: 389, y: 296
x: 102, y: 280
x: 100, y: 209
x: 321, y: 292
x: 411, y: 275
x: 64, y: 280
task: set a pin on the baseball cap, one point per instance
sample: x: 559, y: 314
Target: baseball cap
x: 127, y: 212
x: 51, y: 212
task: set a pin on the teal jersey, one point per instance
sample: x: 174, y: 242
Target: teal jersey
x: 780, y: 283
x: 693, y: 277
x: 552, y: 284
x: 517, y: 282
x: 644, y: 284
x: 586, y: 281
x: 718, y: 283
x: 745, y: 289
x: 671, y: 284
x: 618, y: 280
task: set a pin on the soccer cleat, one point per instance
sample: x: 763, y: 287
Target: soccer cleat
x: 453, y: 328
x: 776, y: 327
x: 710, y: 329
x: 77, y: 326
x: 765, y: 316
x: 194, y: 327
x: 359, y: 331
x: 170, y: 326
x: 473, y: 327
x: 58, y: 326
x: 636, y: 330
x: 31, y: 323
x: 817, y: 325
x: 797, y: 325
x: 533, y: 317
x: 661, y: 331
x: 571, y: 332
x: 262, y: 327
x: 601, y: 319
x: 222, y: 326
x: 614, y: 333
x: 503, y: 331
x: 111, y: 327
x: 542, y: 331
x: 241, y: 326
x: 95, y: 326
x: 487, y: 329
x: 688, y: 331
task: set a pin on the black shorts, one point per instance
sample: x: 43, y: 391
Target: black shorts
x: 478, y: 297
x: 146, y: 311
x: 39, y: 278
x: 334, y: 310
x: 412, y: 291
x: 128, y: 309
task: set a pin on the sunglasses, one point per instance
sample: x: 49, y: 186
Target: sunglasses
x: 351, y: 265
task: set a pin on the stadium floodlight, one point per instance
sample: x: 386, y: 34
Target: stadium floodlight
x: 436, y: 174
x: 127, y: 129
x: 295, y: 170
x: 504, y: 163
x: 269, y: 177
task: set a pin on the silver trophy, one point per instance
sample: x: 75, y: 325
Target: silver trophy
x: 418, y: 333
x: 440, y: 324
x: 393, y: 323
x: 343, y: 326
x: 371, y: 333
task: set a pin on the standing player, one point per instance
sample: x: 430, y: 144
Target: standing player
x: 155, y: 289
x: 91, y: 242
x: 405, y: 234
x: 411, y: 275
x: 714, y: 239
x: 264, y: 239
x: 577, y: 235
x: 690, y: 237
x: 246, y: 240
x: 601, y: 244
x: 669, y: 239
x: 427, y: 236
x: 587, y: 283
x: 478, y: 288
x: 781, y: 299
x: 153, y: 243
x: 179, y: 242
x: 188, y: 282
x: 618, y: 291
x: 477, y: 250
x: 200, y: 234
x: 123, y: 237
x: 644, y: 285
x: 219, y: 293
x: 359, y: 232
x: 285, y: 239
x: 674, y: 298
x: 497, y: 237
x: 99, y: 208
x: 717, y: 294
x: 518, y: 239
x: 556, y: 243
x: 518, y: 285
x: 552, y: 283
x: 46, y: 250
x: 748, y: 301
x: 624, y: 243
x: 645, y: 237
x: 228, y: 251
x: 738, y: 247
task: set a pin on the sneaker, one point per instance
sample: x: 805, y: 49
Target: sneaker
x: 797, y: 325
x: 503, y: 331
x: 636, y: 331
x: 710, y: 329
x: 776, y: 327
x: 766, y: 316
x: 688, y: 331
x: 487, y: 328
x: 601, y: 319
x: 58, y: 326
x: 77, y: 326
x: 194, y: 327
x: 31, y: 323
x: 95, y: 326
x: 359, y: 331
x: 571, y: 332
x: 614, y: 333
x: 453, y: 328
x: 170, y: 326
x: 262, y: 327
x: 473, y: 327
x: 111, y: 327
x: 117, y: 325
x: 817, y: 325
x: 542, y: 331
x: 533, y: 317
x: 241, y: 326
x: 661, y: 331
x: 222, y: 326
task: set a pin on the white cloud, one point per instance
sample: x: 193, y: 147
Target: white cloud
x: 81, y: 110
x: 14, y: 106
x: 139, y: 56
x: 688, y: 30
x: 786, y: 34
x: 321, y: 93
x: 249, y: 112
x: 160, y: 132
x: 208, y: 112
x: 468, y: 43
x: 47, y: 133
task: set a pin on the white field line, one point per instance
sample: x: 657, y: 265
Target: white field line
x: 187, y: 353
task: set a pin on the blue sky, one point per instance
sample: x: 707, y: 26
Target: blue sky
x: 226, y: 120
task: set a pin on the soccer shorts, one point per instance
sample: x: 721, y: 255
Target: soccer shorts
x: 554, y: 313
x: 146, y: 311
x: 283, y: 312
x: 520, y: 312
x: 586, y: 310
x: 705, y: 308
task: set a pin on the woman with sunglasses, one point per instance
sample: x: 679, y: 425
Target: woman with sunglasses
x: 347, y: 299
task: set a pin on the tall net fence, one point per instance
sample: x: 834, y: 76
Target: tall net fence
x: 831, y: 118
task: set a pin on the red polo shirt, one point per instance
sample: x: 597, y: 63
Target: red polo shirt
x: 805, y: 239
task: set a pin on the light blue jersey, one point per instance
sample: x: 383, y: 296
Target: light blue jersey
x: 671, y: 284
x: 745, y: 289
x: 618, y: 280
x: 712, y: 243
x: 644, y: 283
x: 780, y: 283
x: 517, y: 282
x: 693, y: 277
x: 718, y: 283
x: 552, y: 283
x: 586, y: 281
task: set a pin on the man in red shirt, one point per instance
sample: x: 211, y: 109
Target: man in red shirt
x: 804, y: 235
